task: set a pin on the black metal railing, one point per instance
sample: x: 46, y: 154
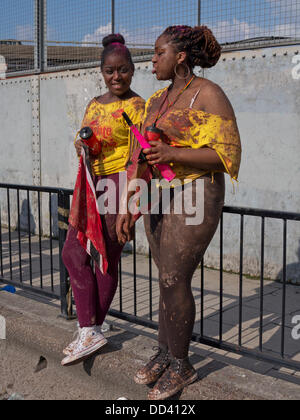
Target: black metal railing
x: 27, y: 247
x: 32, y: 218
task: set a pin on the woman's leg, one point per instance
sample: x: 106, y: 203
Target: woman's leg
x: 107, y: 283
x: 182, y: 248
x: 82, y: 279
x: 161, y: 360
x: 153, y: 227
x: 84, y: 286
x: 93, y: 293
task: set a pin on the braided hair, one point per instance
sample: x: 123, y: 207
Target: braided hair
x: 115, y: 43
x: 199, y: 43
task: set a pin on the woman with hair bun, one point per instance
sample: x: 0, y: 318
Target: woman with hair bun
x: 94, y: 290
x: 201, y: 141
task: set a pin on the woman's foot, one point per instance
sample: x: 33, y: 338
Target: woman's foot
x: 69, y: 349
x: 154, y: 369
x: 90, y: 340
x: 179, y: 374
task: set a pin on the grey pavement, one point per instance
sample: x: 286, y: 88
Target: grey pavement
x: 223, y: 375
x: 35, y: 336
x: 45, y: 272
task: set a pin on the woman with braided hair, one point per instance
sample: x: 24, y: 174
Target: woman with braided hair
x: 201, y: 142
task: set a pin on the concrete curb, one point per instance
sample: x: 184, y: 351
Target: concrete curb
x: 34, y: 330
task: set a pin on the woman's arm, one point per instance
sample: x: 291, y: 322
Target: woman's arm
x: 78, y: 144
x: 204, y: 158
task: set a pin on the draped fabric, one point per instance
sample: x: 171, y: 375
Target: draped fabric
x: 195, y: 129
x: 84, y: 214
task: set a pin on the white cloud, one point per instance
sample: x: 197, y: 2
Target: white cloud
x: 231, y: 31
x: 144, y: 36
x: 138, y: 37
x: 226, y: 31
x: 25, y: 32
x: 98, y: 35
x: 289, y: 29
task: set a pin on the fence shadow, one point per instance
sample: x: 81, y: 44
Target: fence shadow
x: 26, y: 218
x: 272, y: 333
x: 292, y: 271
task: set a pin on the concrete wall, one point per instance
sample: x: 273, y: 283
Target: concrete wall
x: 39, y: 116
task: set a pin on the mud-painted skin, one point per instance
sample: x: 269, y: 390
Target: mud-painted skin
x: 211, y: 99
x: 178, y: 248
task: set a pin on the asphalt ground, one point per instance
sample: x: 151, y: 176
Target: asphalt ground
x: 32, y: 350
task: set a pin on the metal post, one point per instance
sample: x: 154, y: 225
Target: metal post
x: 40, y: 54
x: 202, y: 71
x: 199, y: 12
x: 221, y: 277
x: 284, y: 279
x: 1, y: 249
x: 36, y: 34
x: 44, y: 56
x: 112, y: 16
x: 63, y: 214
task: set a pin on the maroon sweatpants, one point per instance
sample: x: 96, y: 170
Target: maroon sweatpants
x: 93, y: 292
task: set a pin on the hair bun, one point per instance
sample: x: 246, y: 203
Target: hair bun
x: 113, y: 38
x: 199, y: 42
x: 205, y: 49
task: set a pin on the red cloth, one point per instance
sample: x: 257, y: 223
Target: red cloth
x: 84, y: 214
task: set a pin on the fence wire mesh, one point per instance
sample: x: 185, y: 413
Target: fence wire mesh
x: 239, y: 24
x: 142, y: 22
x: 17, y: 36
x: 75, y: 31
x: 70, y: 32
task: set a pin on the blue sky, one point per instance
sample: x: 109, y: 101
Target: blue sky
x: 141, y: 21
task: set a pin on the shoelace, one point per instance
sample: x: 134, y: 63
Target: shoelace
x: 161, y: 355
x: 75, y: 337
x: 83, y: 335
x: 182, y: 367
x: 84, y: 332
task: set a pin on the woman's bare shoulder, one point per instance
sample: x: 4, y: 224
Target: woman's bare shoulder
x: 212, y: 99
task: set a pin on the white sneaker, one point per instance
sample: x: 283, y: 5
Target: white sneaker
x: 89, y: 341
x: 69, y: 349
x: 105, y: 327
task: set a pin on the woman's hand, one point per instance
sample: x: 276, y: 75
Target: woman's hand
x: 160, y: 152
x: 78, y: 145
x: 125, y: 228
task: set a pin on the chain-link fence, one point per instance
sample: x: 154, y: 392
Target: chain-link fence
x: 17, y: 36
x: 46, y: 35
